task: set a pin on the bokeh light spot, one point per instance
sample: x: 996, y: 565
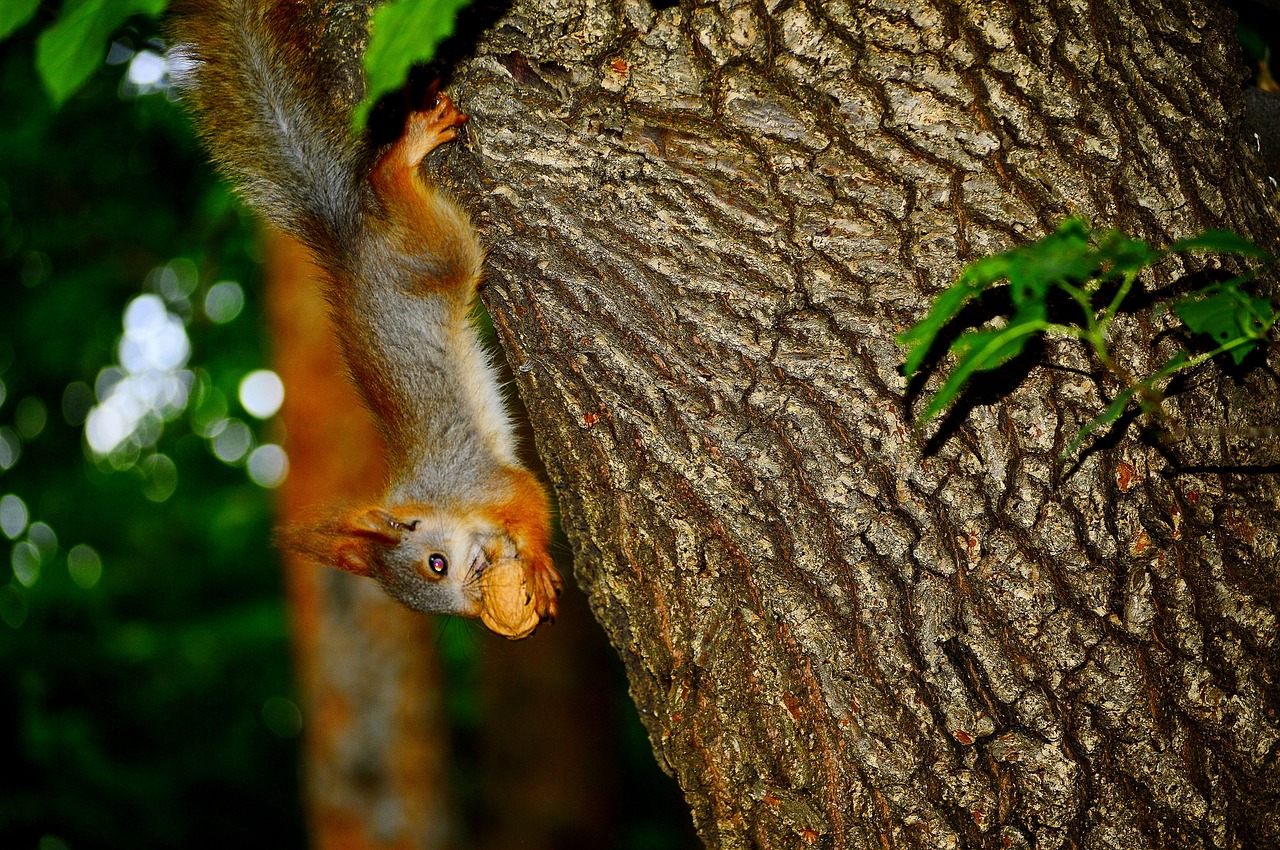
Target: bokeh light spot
x: 13, y: 516
x: 147, y: 71
x: 150, y: 386
x: 77, y: 399
x: 30, y: 417
x: 154, y: 338
x: 10, y: 448
x: 44, y: 539
x: 232, y: 442
x: 176, y: 280
x: 224, y: 301
x: 282, y: 716
x: 268, y: 465
x: 262, y: 393
x: 209, y: 412
x: 162, y: 477
x: 26, y: 562
x: 84, y: 565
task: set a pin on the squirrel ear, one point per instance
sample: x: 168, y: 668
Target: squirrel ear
x: 377, y: 524
x: 360, y: 535
x: 348, y: 543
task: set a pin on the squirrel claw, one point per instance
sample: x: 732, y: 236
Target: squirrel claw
x: 431, y: 96
x: 545, y: 585
x: 441, y: 121
x: 427, y: 129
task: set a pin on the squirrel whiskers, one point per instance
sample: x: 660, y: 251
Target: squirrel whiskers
x: 272, y: 98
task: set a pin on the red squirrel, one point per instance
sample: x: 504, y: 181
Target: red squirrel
x: 401, y: 266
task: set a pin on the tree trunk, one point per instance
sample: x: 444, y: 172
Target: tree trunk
x: 706, y: 225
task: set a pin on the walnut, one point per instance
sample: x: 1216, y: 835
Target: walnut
x: 508, y: 606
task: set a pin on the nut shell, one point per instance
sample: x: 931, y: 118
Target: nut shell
x: 508, y: 607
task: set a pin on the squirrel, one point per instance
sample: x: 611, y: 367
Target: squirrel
x: 272, y: 84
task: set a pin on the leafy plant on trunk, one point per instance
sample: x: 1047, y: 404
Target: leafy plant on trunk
x: 1095, y: 270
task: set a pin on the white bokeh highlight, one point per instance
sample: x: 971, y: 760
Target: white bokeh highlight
x: 149, y: 387
x: 261, y: 393
x: 268, y: 465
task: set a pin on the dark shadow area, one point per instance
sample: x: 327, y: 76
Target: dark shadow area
x: 989, y: 388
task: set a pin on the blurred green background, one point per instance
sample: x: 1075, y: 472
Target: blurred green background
x: 145, y: 689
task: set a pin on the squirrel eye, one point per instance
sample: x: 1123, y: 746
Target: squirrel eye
x: 437, y: 563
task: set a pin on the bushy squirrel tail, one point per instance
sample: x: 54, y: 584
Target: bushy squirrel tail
x: 273, y: 108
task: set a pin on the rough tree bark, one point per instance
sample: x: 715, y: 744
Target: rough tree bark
x: 706, y: 224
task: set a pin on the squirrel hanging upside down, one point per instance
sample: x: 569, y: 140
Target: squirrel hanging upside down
x: 463, y: 527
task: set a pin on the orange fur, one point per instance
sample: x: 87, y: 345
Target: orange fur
x: 526, y: 518
x: 416, y: 213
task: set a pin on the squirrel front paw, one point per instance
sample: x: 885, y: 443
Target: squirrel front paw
x: 545, y: 586
x: 396, y: 171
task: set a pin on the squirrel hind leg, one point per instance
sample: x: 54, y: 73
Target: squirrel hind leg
x: 427, y: 226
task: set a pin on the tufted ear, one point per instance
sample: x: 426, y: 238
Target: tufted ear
x: 350, y: 542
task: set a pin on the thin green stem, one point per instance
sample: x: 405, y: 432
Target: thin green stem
x: 1121, y: 294
x: 1082, y: 298
x: 1066, y: 330
x: 1208, y: 355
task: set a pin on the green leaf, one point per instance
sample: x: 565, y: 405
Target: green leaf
x: 1081, y: 263
x: 1219, y: 242
x: 1031, y: 271
x: 976, y: 277
x: 403, y: 33
x: 979, y: 351
x: 15, y: 13
x: 68, y: 52
x: 1118, y: 254
x: 1111, y: 414
x: 1062, y: 255
x: 1226, y: 313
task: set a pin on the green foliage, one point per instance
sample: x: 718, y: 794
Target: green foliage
x: 15, y: 13
x: 1096, y: 271
x: 1232, y: 318
x: 145, y: 639
x: 403, y: 33
x: 68, y: 52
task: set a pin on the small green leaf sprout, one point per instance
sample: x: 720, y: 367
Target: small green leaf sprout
x: 1096, y: 270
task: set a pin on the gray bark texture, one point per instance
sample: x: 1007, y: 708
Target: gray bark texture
x: 706, y: 225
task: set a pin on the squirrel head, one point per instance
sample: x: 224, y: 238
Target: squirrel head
x: 429, y: 559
